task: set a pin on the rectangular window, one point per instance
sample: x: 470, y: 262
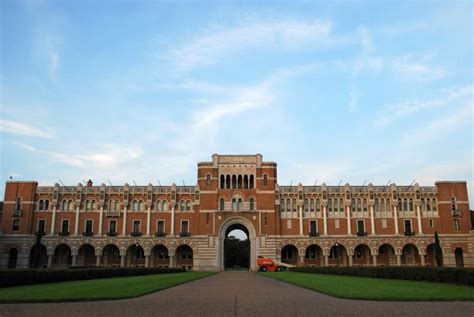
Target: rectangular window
x: 160, y: 227
x: 456, y: 225
x: 136, y: 226
x: 41, y: 226
x: 384, y: 223
x: 336, y: 223
x: 360, y: 227
x: 88, y: 226
x: 184, y: 227
x: 65, y: 227
x: 431, y: 223
x: 113, y: 226
x: 312, y: 228
x: 16, y: 225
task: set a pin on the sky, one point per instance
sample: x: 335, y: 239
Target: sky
x: 140, y: 91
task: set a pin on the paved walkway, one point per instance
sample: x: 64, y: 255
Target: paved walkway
x: 239, y: 294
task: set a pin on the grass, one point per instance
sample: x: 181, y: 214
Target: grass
x: 365, y: 288
x: 98, y: 289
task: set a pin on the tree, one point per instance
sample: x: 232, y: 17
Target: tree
x: 438, y: 251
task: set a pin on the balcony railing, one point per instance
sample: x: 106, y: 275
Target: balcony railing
x: 88, y: 233
x: 64, y: 233
x: 160, y: 234
x: 314, y: 234
x: 409, y: 233
x: 184, y: 234
x: 361, y: 233
x: 113, y: 213
x: 136, y: 234
x: 17, y: 212
x: 456, y: 213
x: 112, y: 233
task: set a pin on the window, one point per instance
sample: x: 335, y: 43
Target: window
x: 65, y: 227
x: 135, y: 205
x: 410, y: 205
x: 16, y: 225
x: 341, y: 205
x: 312, y: 228
x: 359, y: 204
x: 431, y: 223
x: 453, y: 204
x: 428, y: 204
x: 208, y: 179
x: 88, y: 226
x: 160, y: 227
x: 408, y: 227
x: 405, y: 204
x: 353, y: 204
x: 46, y: 204
x: 306, y: 206
x: 184, y: 227
x: 423, y: 204
x: 360, y: 227
x: 63, y: 205
x: 70, y: 205
x: 234, y: 204
x: 376, y: 205
x: 88, y: 205
x: 141, y: 206
x: 18, y: 204
x: 293, y: 208
x: 165, y: 205
x: 330, y: 205
x: 318, y: 205
x: 252, y: 204
x: 136, y: 226
x: 311, y: 205
x: 158, y: 205
x: 399, y: 204
x: 221, y: 204
x: 434, y: 204
x: 41, y: 226
x: 251, y: 181
x: 182, y: 205
x: 41, y: 205
x: 188, y: 205
x: 365, y: 204
x: 222, y: 180
x: 265, y: 180
x: 456, y: 225
x: 113, y: 226
x: 239, y: 204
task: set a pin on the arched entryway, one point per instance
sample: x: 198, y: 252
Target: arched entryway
x: 386, y: 256
x: 62, y: 256
x: 458, y: 254
x: 86, y: 256
x: 111, y: 256
x: 160, y: 256
x: 184, y: 257
x: 135, y: 256
x: 314, y: 256
x: 289, y: 254
x: 236, y: 248
x: 38, y: 257
x: 12, y: 258
x: 410, y: 255
x: 431, y: 255
x: 362, y: 255
x: 252, y: 237
x: 338, y: 255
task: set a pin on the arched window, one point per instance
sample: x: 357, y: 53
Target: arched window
x: 318, y: 205
x: 311, y: 205
x: 428, y: 204
x: 111, y: 205
x: 208, y: 179
x: 410, y: 206
x: 434, y: 204
x: 376, y: 205
x: 182, y: 205
x: 251, y: 181
x: 252, y: 204
x: 353, y: 204
x: 141, y: 206
x: 41, y: 205
x: 94, y: 205
x: 405, y: 204
x: 399, y: 204
x: 63, y: 205
x: 222, y: 181
x: 282, y: 205
x: 234, y: 181
x: 453, y: 204
x: 306, y: 206
x: 18, y: 204
x: 135, y: 205
x: 265, y: 179
x: 165, y: 205
x: 188, y: 205
x: 423, y: 204
x: 221, y: 204
x: 330, y: 204
x: 46, y: 204
x: 293, y: 208
x: 117, y: 205
x: 364, y: 206
x: 239, y: 204
x: 246, y: 181
x: 341, y: 204
x: 239, y: 181
x: 158, y: 205
x: 387, y: 204
x: 227, y: 181
x: 359, y: 204
x: 234, y: 204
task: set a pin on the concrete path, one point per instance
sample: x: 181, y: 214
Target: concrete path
x: 239, y: 294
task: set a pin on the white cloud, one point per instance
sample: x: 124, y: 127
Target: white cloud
x: 417, y: 67
x: 25, y: 146
x: 15, y: 127
x: 219, y: 43
x: 446, y: 97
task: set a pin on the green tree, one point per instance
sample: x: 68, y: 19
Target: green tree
x: 438, y: 251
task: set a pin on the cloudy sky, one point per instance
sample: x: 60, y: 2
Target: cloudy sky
x: 141, y: 91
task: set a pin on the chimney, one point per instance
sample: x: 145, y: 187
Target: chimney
x: 89, y: 183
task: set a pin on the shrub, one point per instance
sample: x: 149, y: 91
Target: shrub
x: 431, y: 274
x: 36, y: 276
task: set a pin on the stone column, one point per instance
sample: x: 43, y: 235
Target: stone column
x: 372, y: 219
x: 349, y: 257
x: 349, y: 227
x: 326, y: 260
x: 147, y: 260
x: 122, y: 261
x: 97, y: 260
x: 50, y: 261
x: 422, y: 258
x: 301, y: 220
x: 395, y: 218
x: 101, y: 220
x: 76, y: 226
x: 124, y: 227
x: 74, y: 260
x: 418, y: 214
x: 172, y: 260
x: 53, y: 221
x: 172, y: 221
x: 148, y: 222
x: 301, y: 260
x: 325, y: 220
x: 399, y: 260
x: 374, y: 259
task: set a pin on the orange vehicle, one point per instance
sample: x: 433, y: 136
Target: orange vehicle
x: 267, y: 264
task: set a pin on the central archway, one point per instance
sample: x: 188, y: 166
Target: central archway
x: 237, y: 248
x: 247, y: 227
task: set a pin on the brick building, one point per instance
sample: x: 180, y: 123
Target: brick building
x: 87, y: 225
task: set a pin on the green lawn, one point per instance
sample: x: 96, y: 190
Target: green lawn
x: 98, y: 289
x: 375, y: 288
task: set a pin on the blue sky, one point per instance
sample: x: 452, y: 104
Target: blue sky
x: 141, y: 91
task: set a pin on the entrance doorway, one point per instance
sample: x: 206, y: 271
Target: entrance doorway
x: 237, y: 248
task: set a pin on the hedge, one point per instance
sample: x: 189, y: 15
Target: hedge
x: 430, y: 274
x: 19, y: 277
